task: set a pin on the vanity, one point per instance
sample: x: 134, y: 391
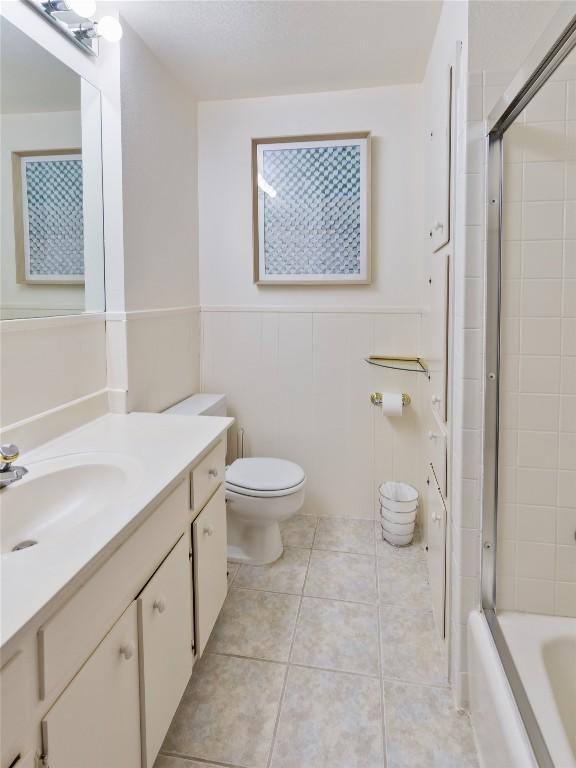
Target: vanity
x: 105, y: 615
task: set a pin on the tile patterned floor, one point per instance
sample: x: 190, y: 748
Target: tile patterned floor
x: 326, y: 659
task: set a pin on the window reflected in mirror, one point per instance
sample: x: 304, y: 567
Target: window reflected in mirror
x: 51, y: 214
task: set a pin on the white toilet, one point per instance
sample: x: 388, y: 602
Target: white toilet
x: 260, y: 493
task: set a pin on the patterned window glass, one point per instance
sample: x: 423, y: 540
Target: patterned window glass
x: 312, y: 210
x: 55, y: 223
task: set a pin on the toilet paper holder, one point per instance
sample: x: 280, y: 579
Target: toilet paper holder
x: 376, y: 398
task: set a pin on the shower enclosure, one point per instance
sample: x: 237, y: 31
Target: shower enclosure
x: 529, y: 487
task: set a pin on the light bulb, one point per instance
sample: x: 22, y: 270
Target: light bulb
x: 84, y: 8
x: 109, y: 28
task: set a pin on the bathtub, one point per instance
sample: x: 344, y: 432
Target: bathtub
x: 544, y: 652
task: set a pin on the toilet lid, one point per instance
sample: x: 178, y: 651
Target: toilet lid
x: 264, y: 474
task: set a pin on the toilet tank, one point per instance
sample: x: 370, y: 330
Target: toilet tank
x: 200, y: 405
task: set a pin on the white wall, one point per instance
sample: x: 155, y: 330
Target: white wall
x: 18, y: 133
x: 160, y: 314
x: 291, y: 359
x: 224, y: 171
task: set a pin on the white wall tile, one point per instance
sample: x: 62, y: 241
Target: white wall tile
x: 570, y: 258
x: 566, y: 563
x: 567, y: 450
x: 513, y: 182
x: 570, y: 219
x: 565, y: 599
x: 541, y: 298
x: 566, y: 526
x: 571, y: 101
x: 566, y: 488
x: 568, y: 376
x: 535, y: 560
x: 512, y: 260
x: 548, y: 104
x: 542, y: 220
x: 537, y: 449
x: 537, y: 486
x: 540, y: 336
x: 538, y: 412
x: 570, y: 181
x: 569, y: 298
x: 545, y: 142
x: 536, y: 524
x: 543, y: 181
x: 540, y: 375
x: 542, y: 259
x: 568, y: 413
x: 535, y: 596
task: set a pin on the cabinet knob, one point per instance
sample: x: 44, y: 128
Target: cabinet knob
x: 432, y: 435
x: 436, y: 399
x: 208, y: 531
x: 159, y: 604
x: 213, y: 472
x: 127, y: 650
x: 438, y: 226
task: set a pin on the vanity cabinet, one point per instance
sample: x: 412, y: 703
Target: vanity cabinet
x: 165, y: 647
x: 95, y: 722
x: 96, y: 682
x: 209, y: 548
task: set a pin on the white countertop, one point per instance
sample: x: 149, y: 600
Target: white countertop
x: 163, y: 446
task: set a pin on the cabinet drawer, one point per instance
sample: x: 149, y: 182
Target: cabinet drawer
x: 165, y: 636
x: 70, y: 636
x: 95, y: 722
x: 208, y: 475
x: 209, y: 553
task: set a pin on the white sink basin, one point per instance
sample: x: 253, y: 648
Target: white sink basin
x: 61, y: 493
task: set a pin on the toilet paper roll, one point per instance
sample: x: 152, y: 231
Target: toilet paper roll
x: 391, y: 404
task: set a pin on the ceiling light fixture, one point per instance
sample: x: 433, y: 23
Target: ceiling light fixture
x: 107, y: 27
x: 83, y: 8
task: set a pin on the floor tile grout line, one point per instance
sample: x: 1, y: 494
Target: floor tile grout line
x: 285, y: 683
x: 399, y: 604
x: 305, y: 666
x: 202, y: 760
x: 381, y: 670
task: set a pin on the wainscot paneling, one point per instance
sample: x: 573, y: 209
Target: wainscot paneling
x: 298, y: 385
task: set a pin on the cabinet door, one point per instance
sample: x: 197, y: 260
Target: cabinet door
x: 164, y: 622
x: 96, y: 721
x: 209, y: 554
x: 437, y: 552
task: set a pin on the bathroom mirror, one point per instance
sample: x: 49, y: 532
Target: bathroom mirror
x: 51, y: 248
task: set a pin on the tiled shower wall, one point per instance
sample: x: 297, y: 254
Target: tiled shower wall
x: 537, y: 507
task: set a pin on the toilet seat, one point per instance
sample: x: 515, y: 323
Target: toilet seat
x: 264, y: 477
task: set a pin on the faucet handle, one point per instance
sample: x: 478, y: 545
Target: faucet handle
x: 9, y: 453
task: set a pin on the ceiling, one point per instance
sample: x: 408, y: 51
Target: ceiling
x: 31, y: 80
x: 222, y: 49
x: 503, y: 32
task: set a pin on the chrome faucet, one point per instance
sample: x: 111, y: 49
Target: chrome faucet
x: 8, y: 473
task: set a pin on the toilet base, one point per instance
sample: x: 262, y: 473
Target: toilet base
x: 253, y: 544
